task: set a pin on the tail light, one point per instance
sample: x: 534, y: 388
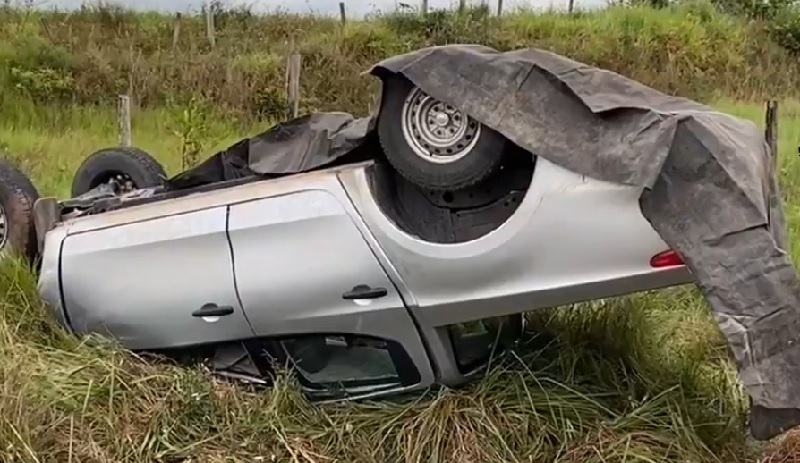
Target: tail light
x: 666, y: 259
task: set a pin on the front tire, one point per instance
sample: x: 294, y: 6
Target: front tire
x: 432, y: 144
x: 17, y: 229
x: 119, y: 164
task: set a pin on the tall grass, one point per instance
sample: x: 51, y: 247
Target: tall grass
x: 92, y: 55
x: 592, y: 385
x: 645, y: 378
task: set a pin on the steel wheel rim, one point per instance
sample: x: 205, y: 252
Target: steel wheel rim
x: 436, y: 131
x: 123, y: 182
x: 3, y: 228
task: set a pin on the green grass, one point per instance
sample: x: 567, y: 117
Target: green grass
x: 644, y: 378
x: 89, y: 57
x: 51, y: 148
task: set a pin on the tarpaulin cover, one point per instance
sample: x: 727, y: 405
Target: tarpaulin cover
x: 709, y: 186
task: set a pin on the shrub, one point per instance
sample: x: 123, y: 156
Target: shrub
x: 90, y: 56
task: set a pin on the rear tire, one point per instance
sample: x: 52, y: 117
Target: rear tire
x: 434, y: 145
x: 17, y: 229
x: 119, y: 163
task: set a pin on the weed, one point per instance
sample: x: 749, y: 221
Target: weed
x: 192, y: 130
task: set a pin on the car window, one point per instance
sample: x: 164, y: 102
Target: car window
x: 327, y: 361
x: 475, y: 342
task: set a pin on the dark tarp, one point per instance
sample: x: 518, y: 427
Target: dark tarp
x: 299, y: 145
x: 710, y: 190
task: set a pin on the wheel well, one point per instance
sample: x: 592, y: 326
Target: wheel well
x: 454, y: 216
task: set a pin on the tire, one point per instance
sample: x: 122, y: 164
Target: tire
x: 104, y: 165
x: 481, y: 148
x: 17, y: 229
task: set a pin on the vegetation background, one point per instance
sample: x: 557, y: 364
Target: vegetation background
x: 644, y: 378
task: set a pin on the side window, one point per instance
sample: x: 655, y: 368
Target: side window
x: 474, y: 343
x: 330, y: 362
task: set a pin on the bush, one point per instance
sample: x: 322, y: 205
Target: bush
x: 785, y: 29
x: 90, y: 56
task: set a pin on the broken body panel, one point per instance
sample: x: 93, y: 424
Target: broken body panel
x: 314, y: 253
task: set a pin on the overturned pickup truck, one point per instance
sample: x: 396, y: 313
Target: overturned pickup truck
x: 359, y: 250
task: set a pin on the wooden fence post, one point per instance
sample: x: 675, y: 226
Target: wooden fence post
x: 771, y: 130
x: 342, y: 14
x: 424, y: 8
x: 212, y: 40
x: 124, y: 120
x: 771, y: 137
x: 293, y: 70
x: 499, y: 7
x: 176, y: 30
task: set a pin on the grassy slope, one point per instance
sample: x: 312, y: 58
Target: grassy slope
x: 643, y: 378
x: 90, y: 57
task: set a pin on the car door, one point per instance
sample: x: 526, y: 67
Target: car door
x: 142, y: 282
x: 306, y: 276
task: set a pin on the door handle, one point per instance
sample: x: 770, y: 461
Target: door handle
x: 365, y: 292
x: 213, y: 310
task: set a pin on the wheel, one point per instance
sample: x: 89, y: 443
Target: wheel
x: 129, y: 166
x: 434, y: 145
x: 17, y: 197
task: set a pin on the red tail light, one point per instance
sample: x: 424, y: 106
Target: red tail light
x: 666, y: 259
